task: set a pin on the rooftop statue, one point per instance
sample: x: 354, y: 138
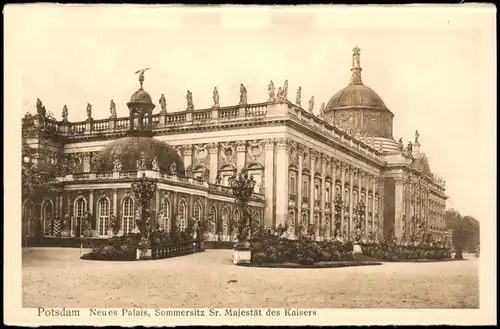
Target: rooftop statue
x: 141, y: 75
x: 89, y: 111
x: 216, y: 97
x: 117, y: 165
x: 322, y: 110
x: 40, y: 108
x: 298, y: 98
x: 285, y: 90
x: 65, y: 113
x: 243, y: 94
x: 311, y: 104
x: 112, y: 109
x: 281, y: 96
x: 417, y: 135
x: 400, y: 144
x: 155, y: 164
x: 409, y: 148
x: 163, y: 104
x: 272, y: 91
x: 189, y: 98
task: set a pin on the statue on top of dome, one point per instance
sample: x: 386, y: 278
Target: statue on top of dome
x: 65, y: 114
x: 272, y: 91
x: 243, y: 94
x: 355, y: 57
x: 216, y: 97
x: 89, y: 111
x: 163, y: 104
x: 189, y: 98
x: 417, y: 135
x: 298, y: 98
x: 285, y: 90
x: 311, y: 104
x: 155, y: 164
x: 141, y: 75
x: 112, y: 109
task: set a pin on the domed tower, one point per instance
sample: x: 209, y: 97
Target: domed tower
x: 141, y: 104
x: 357, y: 108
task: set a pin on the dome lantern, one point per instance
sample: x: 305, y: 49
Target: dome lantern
x: 139, y: 106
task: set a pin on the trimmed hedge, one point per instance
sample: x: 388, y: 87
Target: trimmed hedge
x: 393, y: 252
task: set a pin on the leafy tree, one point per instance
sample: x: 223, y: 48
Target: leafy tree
x: 243, y: 186
x: 465, y: 231
x: 37, y: 178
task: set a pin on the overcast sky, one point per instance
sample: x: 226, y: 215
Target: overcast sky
x: 434, y: 79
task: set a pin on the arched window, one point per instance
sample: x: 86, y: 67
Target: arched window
x: 197, y: 211
x: 236, y: 216
x: 225, y: 223
x: 103, y: 216
x: 79, y: 215
x: 256, y: 218
x: 28, y: 213
x: 47, y: 209
x: 181, y: 216
x: 166, y: 209
x: 128, y: 215
x: 304, y: 220
x: 212, y: 219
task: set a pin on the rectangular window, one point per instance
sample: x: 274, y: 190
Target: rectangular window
x: 305, y: 191
x: 328, y: 194
x: 316, y: 192
x: 292, y: 185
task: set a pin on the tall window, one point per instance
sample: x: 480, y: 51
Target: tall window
x: 305, y: 188
x: 167, y: 211
x: 197, y: 211
x: 236, y: 216
x: 103, y: 213
x: 212, y: 216
x: 79, y: 215
x: 316, y: 192
x: 304, y: 219
x: 128, y: 215
x: 181, y: 212
x: 327, y: 194
x: 47, y: 208
x: 292, y: 184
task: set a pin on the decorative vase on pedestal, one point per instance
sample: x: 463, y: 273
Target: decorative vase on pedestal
x: 242, y: 253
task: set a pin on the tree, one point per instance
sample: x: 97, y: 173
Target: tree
x: 465, y: 231
x: 37, y: 178
x: 243, y: 186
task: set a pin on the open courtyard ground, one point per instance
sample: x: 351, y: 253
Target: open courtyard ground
x: 56, y: 277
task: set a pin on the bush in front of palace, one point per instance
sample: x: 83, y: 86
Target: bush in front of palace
x: 397, y: 252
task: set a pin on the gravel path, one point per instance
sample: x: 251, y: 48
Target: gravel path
x: 56, y: 277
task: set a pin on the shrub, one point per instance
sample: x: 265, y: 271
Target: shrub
x: 392, y: 252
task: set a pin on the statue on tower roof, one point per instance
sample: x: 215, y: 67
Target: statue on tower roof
x: 243, y: 94
x: 141, y: 75
x: 65, y: 113
x: 89, y: 111
x: 298, y: 98
x: 189, y: 98
x: 417, y: 135
x: 112, y: 109
x: 163, y: 104
x: 272, y: 91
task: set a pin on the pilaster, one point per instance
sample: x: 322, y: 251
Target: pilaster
x: 115, y: 203
x: 300, y: 152
x: 323, y: 190
x: 342, y: 195
x: 187, y: 149
x: 214, y: 159
x: 351, y: 201
x: 268, y: 182
x: 312, y: 183
x: 240, y: 155
x: 398, y: 207
x: 282, y: 158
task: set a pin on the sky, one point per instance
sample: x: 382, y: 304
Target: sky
x: 434, y: 72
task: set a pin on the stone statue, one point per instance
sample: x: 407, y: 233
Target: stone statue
x: 89, y: 111
x: 163, y: 104
x: 189, y: 98
x: 115, y: 224
x: 417, y: 135
x: 218, y: 180
x: 322, y: 110
x: 409, y: 148
x: 243, y: 94
x: 65, y: 113
x: 358, y: 134
x: 141, y: 162
x: 272, y: 91
x: 189, y: 171
x: 285, y: 90
x: 216, y: 97
x: 311, y: 104
x: 372, y: 142
x: 141, y: 75
x: 205, y: 176
x: 112, y: 109
x: 40, y: 108
x: 280, y: 95
x: 298, y: 98
x: 355, y: 57
x: 400, y: 144
x: 117, y: 165
x: 155, y: 164
x: 261, y: 188
x: 173, y: 169
x: 380, y: 148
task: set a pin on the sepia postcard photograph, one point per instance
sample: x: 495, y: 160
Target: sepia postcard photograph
x: 249, y: 165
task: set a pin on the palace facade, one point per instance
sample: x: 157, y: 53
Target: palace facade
x: 339, y: 173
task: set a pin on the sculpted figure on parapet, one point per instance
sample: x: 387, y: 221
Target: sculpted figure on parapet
x: 298, y: 98
x: 272, y: 91
x: 285, y: 90
x: 155, y: 164
x: 311, y: 104
x: 89, y: 111
x: 40, y: 108
x: 243, y: 94
x: 117, y: 165
x: 163, y: 104
x: 281, y: 97
x: 112, y: 109
x: 216, y: 97
x: 189, y: 99
x: 417, y: 135
x: 65, y: 113
x: 400, y: 144
x: 409, y: 148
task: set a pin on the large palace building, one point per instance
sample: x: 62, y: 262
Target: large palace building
x: 339, y: 173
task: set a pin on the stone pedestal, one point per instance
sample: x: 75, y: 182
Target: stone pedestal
x: 242, y: 253
x: 143, y: 254
x: 357, y: 249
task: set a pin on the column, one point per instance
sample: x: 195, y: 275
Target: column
x: 332, y: 196
x: 351, y: 201
x: 56, y: 206
x: 312, y: 184
x: 381, y: 206
x: 373, y: 205
x: 187, y: 155
x: 365, y: 177
x: 300, y: 152
x: 214, y: 159
x: 323, y: 193
x: 240, y: 155
x: 342, y: 196
x: 398, y: 207
x: 115, y: 203
x: 268, y: 182
x: 282, y: 159
x: 157, y: 206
